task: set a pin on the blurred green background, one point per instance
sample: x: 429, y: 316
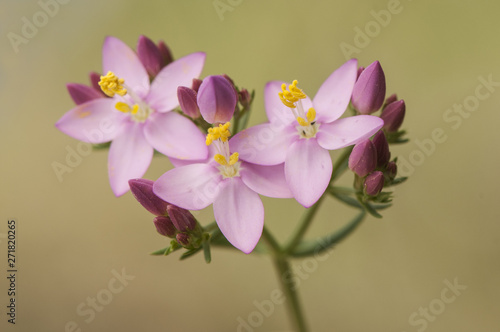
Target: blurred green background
x: 444, y: 224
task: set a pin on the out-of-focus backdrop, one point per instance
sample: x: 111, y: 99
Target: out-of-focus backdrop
x: 432, y: 262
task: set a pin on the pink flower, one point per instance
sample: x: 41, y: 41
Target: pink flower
x: 300, y: 132
x: 137, y: 118
x: 231, y: 185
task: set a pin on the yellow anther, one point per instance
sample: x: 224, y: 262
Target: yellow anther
x: 296, y: 91
x: 110, y: 84
x: 292, y: 95
x: 136, y: 108
x: 122, y: 107
x: 284, y: 101
x: 221, y: 132
x: 311, y: 115
x: 125, y: 108
x: 302, y: 122
x: 221, y: 159
x: 233, y: 159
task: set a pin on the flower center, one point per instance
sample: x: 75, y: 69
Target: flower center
x: 292, y: 98
x: 229, y: 166
x: 111, y: 85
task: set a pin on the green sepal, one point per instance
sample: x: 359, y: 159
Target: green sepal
x: 101, y: 146
x: 397, y: 137
x: 398, y: 181
x: 206, y: 247
x: 368, y: 208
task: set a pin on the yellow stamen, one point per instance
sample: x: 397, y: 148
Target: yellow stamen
x: 233, y: 159
x: 221, y: 132
x: 135, y: 109
x: 311, y: 115
x: 302, y: 122
x: 110, y: 84
x: 220, y: 159
x: 292, y: 95
x: 122, y: 107
x: 125, y: 108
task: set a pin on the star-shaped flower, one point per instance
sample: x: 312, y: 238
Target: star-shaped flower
x: 137, y: 117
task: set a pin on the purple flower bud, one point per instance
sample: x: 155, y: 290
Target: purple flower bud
x: 183, y: 239
x: 228, y: 78
x: 150, y: 55
x: 363, y: 158
x: 94, y: 81
x: 142, y: 190
x: 374, y: 183
x: 391, y: 170
x: 164, y: 226
x: 392, y: 98
x: 393, y: 116
x: 183, y: 219
x: 166, y: 55
x: 369, y: 90
x: 187, y: 101
x: 382, y: 147
x: 245, y: 98
x: 217, y: 99
x: 360, y: 70
x: 81, y: 93
x: 196, y: 84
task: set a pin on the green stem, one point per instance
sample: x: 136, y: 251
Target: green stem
x: 304, y: 224
x: 284, y: 273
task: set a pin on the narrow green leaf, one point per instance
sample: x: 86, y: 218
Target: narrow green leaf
x: 189, y: 253
x: 160, y: 252
x: 347, y: 200
x: 314, y: 247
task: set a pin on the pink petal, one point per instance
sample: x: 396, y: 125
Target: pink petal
x: 264, y: 144
x: 308, y: 168
x: 334, y: 94
x: 348, y: 131
x: 184, y: 162
x: 129, y: 157
x: 175, y: 136
x: 95, y: 121
x: 191, y: 187
x: 239, y: 213
x: 124, y: 63
x: 266, y: 180
x: 163, y: 94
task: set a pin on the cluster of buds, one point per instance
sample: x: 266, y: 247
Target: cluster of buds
x: 152, y: 56
x: 214, y: 98
x: 368, y: 97
x: 170, y: 220
x: 370, y: 161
